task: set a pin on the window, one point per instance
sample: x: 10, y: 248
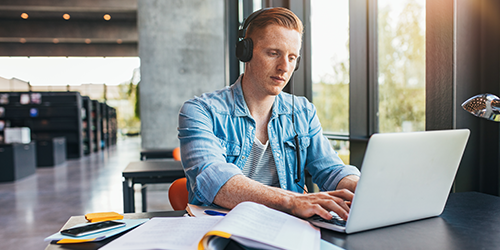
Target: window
x: 330, y: 63
x: 330, y: 69
x: 401, y: 65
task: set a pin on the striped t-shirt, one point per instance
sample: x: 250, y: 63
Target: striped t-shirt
x: 260, y: 165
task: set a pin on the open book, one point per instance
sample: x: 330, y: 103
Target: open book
x: 250, y: 224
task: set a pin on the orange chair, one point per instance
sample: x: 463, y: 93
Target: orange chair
x: 176, y: 154
x: 178, y: 194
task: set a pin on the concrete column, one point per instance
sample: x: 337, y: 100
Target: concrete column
x: 181, y: 46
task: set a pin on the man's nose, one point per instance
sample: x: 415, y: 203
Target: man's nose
x: 284, y: 65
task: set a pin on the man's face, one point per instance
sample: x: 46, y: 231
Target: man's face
x: 275, y: 54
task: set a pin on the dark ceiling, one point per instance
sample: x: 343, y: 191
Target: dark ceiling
x: 86, y: 33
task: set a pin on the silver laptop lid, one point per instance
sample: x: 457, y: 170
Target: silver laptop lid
x: 405, y: 177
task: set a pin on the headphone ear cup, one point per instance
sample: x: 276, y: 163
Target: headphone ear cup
x: 244, y: 50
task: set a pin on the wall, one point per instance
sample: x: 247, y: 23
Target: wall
x: 181, y: 46
x: 13, y: 84
x: 462, y: 60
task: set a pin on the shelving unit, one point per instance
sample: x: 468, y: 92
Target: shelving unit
x: 50, y: 153
x: 96, y: 125
x: 87, y: 125
x: 48, y: 115
x: 109, y: 125
x: 104, y: 125
x: 17, y: 161
x: 87, y: 133
x: 112, y: 125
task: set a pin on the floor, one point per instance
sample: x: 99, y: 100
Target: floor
x: 37, y: 206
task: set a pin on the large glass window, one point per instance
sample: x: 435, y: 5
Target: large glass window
x: 330, y: 63
x: 401, y: 65
x: 330, y: 69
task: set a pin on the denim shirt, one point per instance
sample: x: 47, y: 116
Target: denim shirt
x: 216, y: 133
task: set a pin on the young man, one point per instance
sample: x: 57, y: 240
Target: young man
x: 238, y: 144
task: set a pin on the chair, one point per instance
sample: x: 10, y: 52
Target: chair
x: 178, y: 194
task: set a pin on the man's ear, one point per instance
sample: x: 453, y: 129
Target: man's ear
x: 297, y: 64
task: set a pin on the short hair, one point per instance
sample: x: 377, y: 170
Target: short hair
x: 279, y: 16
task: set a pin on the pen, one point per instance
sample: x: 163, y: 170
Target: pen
x: 212, y: 212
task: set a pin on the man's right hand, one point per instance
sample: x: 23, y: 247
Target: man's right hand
x: 240, y: 188
x: 307, y: 205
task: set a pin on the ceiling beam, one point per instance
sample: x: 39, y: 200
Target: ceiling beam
x: 85, y: 33
x: 69, y: 49
x: 125, y: 30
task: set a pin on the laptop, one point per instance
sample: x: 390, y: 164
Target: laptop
x: 404, y: 177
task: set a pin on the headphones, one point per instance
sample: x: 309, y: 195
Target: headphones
x: 244, y: 47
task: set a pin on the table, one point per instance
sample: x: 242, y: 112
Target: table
x: 469, y: 221
x: 75, y: 220
x: 147, y: 154
x: 147, y: 172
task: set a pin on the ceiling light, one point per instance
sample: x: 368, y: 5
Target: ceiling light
x: 24, y: 16
x: 107, y: 17
x: 66, y: 16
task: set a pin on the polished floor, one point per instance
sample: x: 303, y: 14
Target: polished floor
x: 37, y: 206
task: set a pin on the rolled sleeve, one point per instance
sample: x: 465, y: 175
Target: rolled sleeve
x: 202, y: 154
x: 335, y: 177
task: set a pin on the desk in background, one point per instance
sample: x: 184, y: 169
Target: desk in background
x: 469, y: 221
x: 147, y: 172
x: 148, y: 154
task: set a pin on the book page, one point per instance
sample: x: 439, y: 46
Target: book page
x: 252, y: 224
x: 166, y: 233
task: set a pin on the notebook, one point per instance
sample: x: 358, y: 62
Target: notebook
x: 404, y: 177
